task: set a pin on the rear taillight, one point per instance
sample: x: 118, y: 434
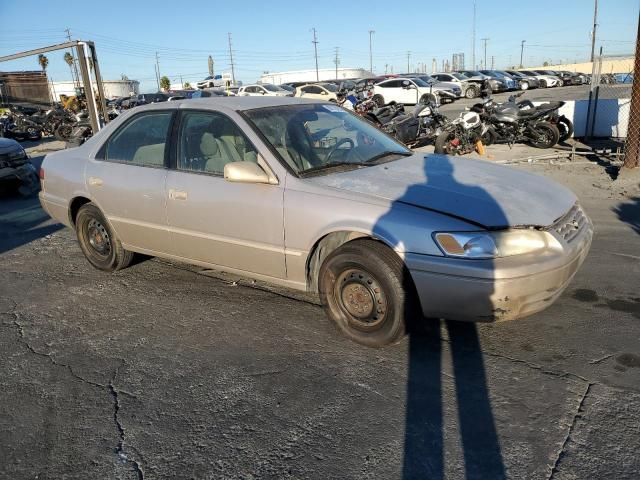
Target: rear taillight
x: 41, y: 173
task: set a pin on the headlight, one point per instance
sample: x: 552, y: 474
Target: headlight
x: 503, y: 243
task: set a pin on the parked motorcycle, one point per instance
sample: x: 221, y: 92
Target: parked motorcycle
x: 508, y: 123
x: 562, y: 123
x: 462, y: 135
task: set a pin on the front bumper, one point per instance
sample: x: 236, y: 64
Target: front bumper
x: 496, y: 290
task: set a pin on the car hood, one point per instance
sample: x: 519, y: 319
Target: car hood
x: 492, y: 196
x: 447, y: 85
x: 8, y: 145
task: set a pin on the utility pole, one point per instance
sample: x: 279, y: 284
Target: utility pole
x: 386, y: 67
x: 521, y: 52
x: 593, y: 32
x: 632, y: 147
x: 233, y: 70
x: 473, y: 38
x: 315, y: 48
x: 493, y: 60
x: 485, y: 40
x: 157, y: 71
x: 210, y: 64
x: 76, y: 80
x: 408, y: 61
x: 337, y: 61
x: 371, y: 32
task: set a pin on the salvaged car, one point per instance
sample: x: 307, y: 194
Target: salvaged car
x: 16, y: 170
x: 306, y: 195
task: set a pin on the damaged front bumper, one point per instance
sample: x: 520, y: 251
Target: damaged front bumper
x: 499, y: 289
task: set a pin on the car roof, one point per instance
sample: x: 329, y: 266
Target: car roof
x: 238, y: 104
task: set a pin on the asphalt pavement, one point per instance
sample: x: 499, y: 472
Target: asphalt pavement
x: 165, y: 370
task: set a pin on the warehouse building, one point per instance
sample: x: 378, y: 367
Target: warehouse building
x: 323, y: 74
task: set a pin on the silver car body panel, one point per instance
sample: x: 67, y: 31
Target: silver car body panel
x: 270, y: 231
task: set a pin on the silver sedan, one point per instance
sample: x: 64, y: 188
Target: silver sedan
x: 309, y: 196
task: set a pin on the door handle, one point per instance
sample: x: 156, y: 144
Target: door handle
x: 95, y: 181
x: 177, y: 194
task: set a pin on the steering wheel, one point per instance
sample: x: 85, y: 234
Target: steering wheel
x: 338, y: 143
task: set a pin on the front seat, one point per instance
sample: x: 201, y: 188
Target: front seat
x: 214, y: 161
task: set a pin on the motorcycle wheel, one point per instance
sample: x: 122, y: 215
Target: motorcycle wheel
x: 378, y: 100
x: 546, y: 135
x: 33, y: 134
x: 63, y: 132
x: 565, y: 127
x: 445, y: 143
x: 489, y: 137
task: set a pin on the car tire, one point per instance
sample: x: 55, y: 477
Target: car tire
x: 379, y: 100
x: 426, y: 98
x: 543, y: 84
x: 471, y: 92
x: 367, y: 292
x: 99, y: 242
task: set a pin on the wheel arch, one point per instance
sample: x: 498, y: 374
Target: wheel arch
x: 74, y: 207
x: 327, y: 244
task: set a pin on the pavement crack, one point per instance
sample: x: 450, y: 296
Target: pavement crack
x: 601, y: 359
x: 561, y: 451
x: 121, y: 433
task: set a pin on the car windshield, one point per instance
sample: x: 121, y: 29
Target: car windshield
x: 459, y: 76
x: 272, y: 88
x: 421, y: 82
x: 314, y: 139
x: 329, y: 86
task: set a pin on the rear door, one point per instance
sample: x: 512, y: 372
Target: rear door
x: 127, y: 180
x: 235, y: 225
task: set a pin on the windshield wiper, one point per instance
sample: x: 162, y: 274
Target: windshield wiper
x: 388, y: 153
x: 331, y: 165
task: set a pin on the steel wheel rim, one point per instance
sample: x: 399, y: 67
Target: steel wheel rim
x: 98, y: 237
x: 361, y: 298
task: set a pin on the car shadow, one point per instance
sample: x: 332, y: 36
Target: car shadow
x: 629, y: 212
x: 22, y: 220
x: 427, y: 386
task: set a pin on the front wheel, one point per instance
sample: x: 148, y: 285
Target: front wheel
x: 447, y: 143
x: 63, y: 132
x: 427, y: 98
x: 367, y: 292
x: 543, y: 135
x: 471, y: 92
x: 98, y: 241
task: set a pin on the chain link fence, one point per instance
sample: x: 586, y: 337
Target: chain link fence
x: 609, y: 100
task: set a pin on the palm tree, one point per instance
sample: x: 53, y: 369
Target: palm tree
x: 165, y: 83
x: 44, y: 62
x: 69, y: 60
x: 186, y: 85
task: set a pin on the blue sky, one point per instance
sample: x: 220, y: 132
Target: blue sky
x: 276, y: 36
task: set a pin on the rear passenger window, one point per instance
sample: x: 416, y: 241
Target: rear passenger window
x: 208, y: 141
x: 141, y: 142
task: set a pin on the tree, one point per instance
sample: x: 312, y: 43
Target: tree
x: 68, y: 58
x: 186, y: 85
x: 165, y: 83
x: 545, y: 64
x: 44, y: 62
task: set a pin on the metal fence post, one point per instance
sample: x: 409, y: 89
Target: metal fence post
x: 632, y: 145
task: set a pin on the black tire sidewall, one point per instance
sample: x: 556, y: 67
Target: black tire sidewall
x: 554, y: 131
x: 86, y: 213
x: 350, y: 256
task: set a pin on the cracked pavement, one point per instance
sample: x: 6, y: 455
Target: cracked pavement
x: 165, y: 370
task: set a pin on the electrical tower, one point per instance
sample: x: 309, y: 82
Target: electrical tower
x: 315, y: 48
x: 233, y: 70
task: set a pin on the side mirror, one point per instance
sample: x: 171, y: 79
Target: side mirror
x: 245, y: 172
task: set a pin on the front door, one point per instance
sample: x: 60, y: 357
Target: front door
x: 127, y: 180
x: 235, y: 225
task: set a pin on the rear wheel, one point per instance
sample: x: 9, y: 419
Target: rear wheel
x: 565, y: 128
x: 367, y: 292
x: 379, y: 100
x: 63, y: 132
x: 471, y: 92
x: 99, y: 242
x: 544, y: 135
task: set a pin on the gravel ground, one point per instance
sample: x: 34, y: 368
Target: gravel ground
x: 164, y: 370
